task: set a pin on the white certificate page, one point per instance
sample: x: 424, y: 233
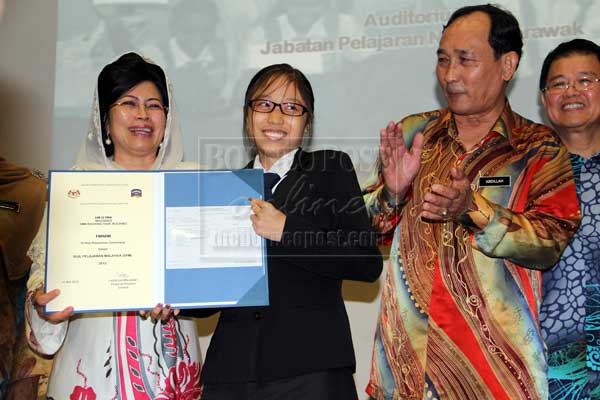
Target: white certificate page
x: 211, y: 236
x: 101, y: 241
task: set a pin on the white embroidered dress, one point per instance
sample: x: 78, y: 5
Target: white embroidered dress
x: 116, y: 355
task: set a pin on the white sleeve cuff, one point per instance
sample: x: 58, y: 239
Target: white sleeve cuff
x: 49, y: 336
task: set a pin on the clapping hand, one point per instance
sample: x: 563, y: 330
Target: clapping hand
x: 447, y: 202
x: 399, y: 163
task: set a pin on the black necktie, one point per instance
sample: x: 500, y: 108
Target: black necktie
x: 270, y: 179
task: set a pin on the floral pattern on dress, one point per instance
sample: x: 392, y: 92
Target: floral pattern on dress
x: 181, y: 383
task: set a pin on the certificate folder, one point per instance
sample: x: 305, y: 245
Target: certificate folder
x: 130, y: 240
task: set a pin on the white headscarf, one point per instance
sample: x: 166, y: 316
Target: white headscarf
x: 92, y: 155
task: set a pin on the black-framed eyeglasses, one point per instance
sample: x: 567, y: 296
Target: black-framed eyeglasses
x: 581, y: 84
x: 267, y: 106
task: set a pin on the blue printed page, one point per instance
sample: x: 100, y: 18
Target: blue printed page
x: 213, y: 257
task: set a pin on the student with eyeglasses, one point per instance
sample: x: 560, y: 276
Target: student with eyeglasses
x: 318, y: 234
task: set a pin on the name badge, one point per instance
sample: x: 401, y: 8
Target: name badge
x: 494, y: 181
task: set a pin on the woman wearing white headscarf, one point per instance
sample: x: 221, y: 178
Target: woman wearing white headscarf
x: 119, y: 355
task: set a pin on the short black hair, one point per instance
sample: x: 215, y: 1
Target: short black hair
x: 120, y: 76
x: 565, y: 49
x: 505, y: 34
x: 263, y: 78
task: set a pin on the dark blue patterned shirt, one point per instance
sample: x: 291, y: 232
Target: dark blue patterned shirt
x: 570, y: 311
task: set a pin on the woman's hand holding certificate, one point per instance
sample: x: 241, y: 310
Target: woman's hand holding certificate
x: 40, y: 299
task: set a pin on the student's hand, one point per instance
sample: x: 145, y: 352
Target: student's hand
x: 447, y: 202
x: 399, y: 164
x: 267, y: 220
x: 160, y: 313
x: 39, y: 299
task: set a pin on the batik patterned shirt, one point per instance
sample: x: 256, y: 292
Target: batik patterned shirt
x: 570, y: 311
x: 459, y: 308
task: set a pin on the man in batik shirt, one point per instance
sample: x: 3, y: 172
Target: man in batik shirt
x: 478, y: 200
x: 570, y: 312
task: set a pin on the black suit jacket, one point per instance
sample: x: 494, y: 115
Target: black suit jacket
x: 327, y: 238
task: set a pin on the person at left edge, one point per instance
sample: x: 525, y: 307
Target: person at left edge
x: 318, y: 234
x: 22, y: 198
x: 119, y: 355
